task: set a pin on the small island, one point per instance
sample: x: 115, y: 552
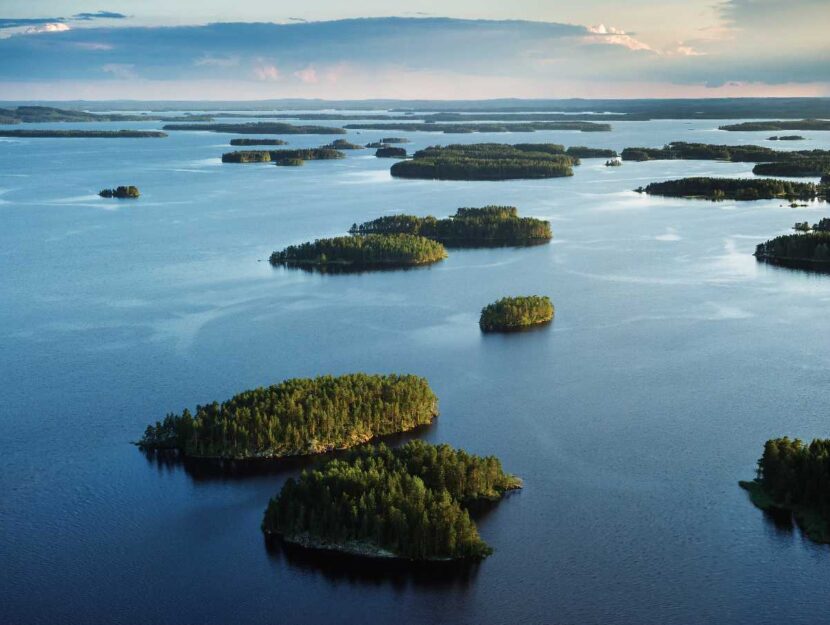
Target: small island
x: 391, y: 140
x: 407, y: 503
x: 792, y: 480
x: 264, y: 128
x: 614, y: 162
x: 342, y: 144
x: 741, y: 189
x: 84, y: 134
x: 125, y: 192
x: 798, y: 168
x: 487, y: 161
x: 265, y: 156
x: 516, y: 313
x: 371, y: 251
x: 490, y: 226
x: 809, y: 248
x: 580, y: 151
x: 244, y: 142
x: 797, y: 124
x: 390, y: 152
x: 298, y: 417
x: 786, y: 138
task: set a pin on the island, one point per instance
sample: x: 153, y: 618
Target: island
x: 391, y: 140
x: 580, y: 151
x: 126, y: 192
x: 801, y: 167
x: 490, y: 226
x: 371, y: 251
x: 298, y: 417
x: 264, y: 128
x: 41, y: 114
x: 614, y: 162
x: 786, y: 138
x: 264, y: 156
x: 792, y: 479
x: 465, y: 128
x: 83, y: 134
x: 516, y: 313
x: 390, y: 152
x: 342, y: 144
x: 289, y: 162
x: 734, y: 189
x: 409, y: 503
x: 487, y: 161
x: 790, y: 124
x: 244, y: 142
x: 681, y: 150
x: 809, y: 248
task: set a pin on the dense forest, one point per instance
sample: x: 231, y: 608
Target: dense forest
x: 41, y: 114
x: 261, y: 156
x: 81, y: 134
x: 704, y: 151
x: 264, y: 128
x: 809, y: 249
x: 390, y: 152
x: 734, y: 189
x: 363, y: 252
x: 786, y: 138
x: 243, y: 142
x: 514, y: 313
x: 791, y: 124
x: 289, y: 162
x: 469, y: 227
x: 298, y: 417
x: 795, y: 477
x: 797, y: 168
x: 484, y: 127
x: 120, y: 192
x: 342, y: 144
x: 487, y: 161
x: 406, y: 502
x: 391, y: 140
x: 580, y: 151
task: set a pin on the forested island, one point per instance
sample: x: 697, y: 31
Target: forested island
x: 614, y: 162
x: 264, y: 156
x: 469, y: 227
x: 681, y: 150
x: 265, y: 128
x: 390, y: 152
x: 786, y: 138
x: 799, y: 167
x: 41, y: 114
x: 391, y: 503
x: 809, y: 248
x: 487, y: 161
x: 298, y: 417
x: 790, y: 124
x: 81, y: 134
x: 580, y: 151
x: 391, y: 140
x: 342, y: 144
x: 792, y: 478
x: 464, y: 128
x: 371, y: 251
x: 243, y: 142
x: 734, y: 189
x: 124, y: 192
x: 516, y: 313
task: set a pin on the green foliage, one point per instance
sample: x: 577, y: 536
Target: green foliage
x: 407, y: 502
x: 464, y: 128
x: 342, y: 144
x: 81, y: 134
x: 264, y: 128
x: 512, y: 313
x: 802, y: 124
x: 394, y: 140
x: 289, y: 162
x: 681, y: 150
x: 469, y: 227
x: 128, y: 192
x: 786, y: 138
x: 243, y: 142
x: 801, y: 167
x: 579, y: 151
x: 614, y: 162
x: 390, y: 152
x: 734, y: 189
x: 487, y: 161
x: 369, y: 251
x: 260, y: 156
x: 809, y: 249
x: 298, y: 416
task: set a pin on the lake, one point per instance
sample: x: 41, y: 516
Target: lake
x: 674, y: 355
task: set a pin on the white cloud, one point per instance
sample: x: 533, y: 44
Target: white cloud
x: 307, y: 75
x: 52, y: 27
x: 267, y: 72
x: 609, y: 35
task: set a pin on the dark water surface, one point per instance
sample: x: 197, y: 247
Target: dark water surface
x: 672, y: 358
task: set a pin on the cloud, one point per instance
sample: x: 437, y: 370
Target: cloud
x: 307, y: 75
x: 267, y: 72
x: 124, y: 71
x: 52, y: 27
x: 615, y: 37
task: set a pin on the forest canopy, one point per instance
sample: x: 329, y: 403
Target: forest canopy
x: 299, y: 416
x: 123, y: 192
x: 265, y: 128
x: 264, y: 156
x: 515, y: 313
x: 469, y: 227
x: 84, y: 134
x: 681, y: 150
x: 470, y: 127
x: 789, y: 124
x: 242, y: 142
x: 809, y: 250
x: 734, y: 189
x: 406, y: 503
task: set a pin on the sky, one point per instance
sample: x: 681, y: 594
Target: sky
x: 429, y: 49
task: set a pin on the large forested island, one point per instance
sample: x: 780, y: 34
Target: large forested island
x: 793, y: 478
x: 391, y: 503
x: 800, y: 167
x: 681, y: 150
x: 581, y: 151
x: 342, y: 144
x: 371, y: 251
x: 735, y: 189
x: 121, y: 192
x: 516, y: 313
x: 81, y: 134
x: 265, y: 128
x: 264, y: 156
x: 469, y: 227
x: 807, y: 249
x: 487, y: 161
x: 298, y: 417
x: 243, y: 142
x: 466, y: 128
x: 790, y: 124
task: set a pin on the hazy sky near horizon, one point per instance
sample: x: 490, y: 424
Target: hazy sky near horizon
x: 212, y: 49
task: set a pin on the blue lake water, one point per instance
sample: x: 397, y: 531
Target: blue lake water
x: 672, y: 358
